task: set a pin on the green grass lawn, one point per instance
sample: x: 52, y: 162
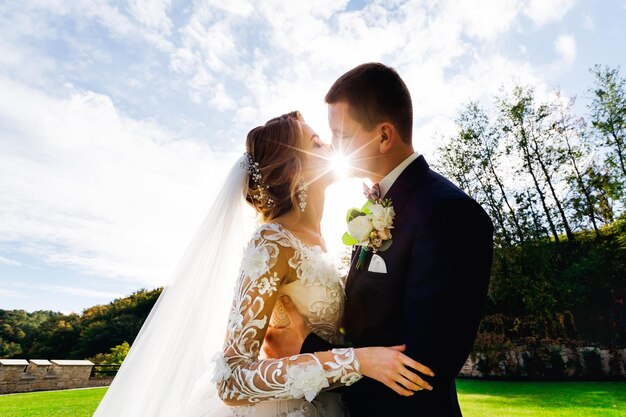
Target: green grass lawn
x: 542, y: 399
x: 478, y: 399
x: 66, y: 403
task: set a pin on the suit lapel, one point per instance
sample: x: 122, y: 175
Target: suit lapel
x: 399, y: 193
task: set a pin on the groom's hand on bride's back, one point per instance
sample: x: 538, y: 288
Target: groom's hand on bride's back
x: 286, y: 341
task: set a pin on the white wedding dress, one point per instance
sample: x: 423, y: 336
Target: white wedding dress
x: 276, y: 387
x: 172, y: 369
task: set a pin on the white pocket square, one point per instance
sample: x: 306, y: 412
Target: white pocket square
x: 377, y: 264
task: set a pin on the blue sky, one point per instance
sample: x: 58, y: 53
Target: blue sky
x: 117, y: 118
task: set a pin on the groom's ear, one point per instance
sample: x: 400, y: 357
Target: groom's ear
x: 388, y: 137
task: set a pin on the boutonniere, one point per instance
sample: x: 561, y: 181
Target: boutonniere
x: 370, y: 227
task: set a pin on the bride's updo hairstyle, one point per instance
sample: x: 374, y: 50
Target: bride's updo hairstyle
x: 276, y: 148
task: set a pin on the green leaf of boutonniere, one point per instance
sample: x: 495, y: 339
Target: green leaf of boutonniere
x: 348, y: 240
x: 352, y: 214
x: 366, y: 207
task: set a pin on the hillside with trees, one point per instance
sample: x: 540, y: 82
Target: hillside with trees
x: 52, y: 335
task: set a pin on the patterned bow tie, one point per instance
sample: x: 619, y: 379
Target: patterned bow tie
x: 372, y: 193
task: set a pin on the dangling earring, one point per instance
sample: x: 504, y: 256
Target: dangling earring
x: 302, y: 193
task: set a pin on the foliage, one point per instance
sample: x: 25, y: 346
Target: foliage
x: 115, y: 357
x: 18, y: 328
x: 551, y: 181
x: 52, y: 335
x: 608, y: 116
x: 540, y: 277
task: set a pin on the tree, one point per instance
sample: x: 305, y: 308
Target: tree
x: 472, y: 159
x: 570, y: 133
x: 608, y: 115
x: 57, y: 338
x: 116, y: 355
x: 47, y: 334
x: 527, y: 126
x: 18, y: 330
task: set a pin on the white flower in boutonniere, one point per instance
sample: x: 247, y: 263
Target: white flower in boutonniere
x: 370, y: 227
x: 360, y: 228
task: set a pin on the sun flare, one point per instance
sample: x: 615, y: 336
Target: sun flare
x: 340, y: 164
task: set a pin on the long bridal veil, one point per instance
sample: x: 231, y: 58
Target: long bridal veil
x: 168, y: 370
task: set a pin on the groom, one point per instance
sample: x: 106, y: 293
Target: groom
x: 437, y: 269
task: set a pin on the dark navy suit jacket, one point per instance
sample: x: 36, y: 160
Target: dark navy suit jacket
x: 430, y: 299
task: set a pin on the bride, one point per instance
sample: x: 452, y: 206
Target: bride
x: 172, y: 368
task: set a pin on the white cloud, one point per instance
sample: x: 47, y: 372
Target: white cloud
x: 153, y: 14
x: 485, y: 19
x: 82, y: 186
x: 542, y: 12
x: 299, y: 48
x: 589, y: 23
x: 85, y: 186
x: 12, y: 294
x: 10, y: 262
x: 221, y: 100
x: 81, y: 292
x: 565, y: 47
x: 241, y: 8
x: 154, y: 26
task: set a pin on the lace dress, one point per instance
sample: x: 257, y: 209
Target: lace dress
x: 287, y: 387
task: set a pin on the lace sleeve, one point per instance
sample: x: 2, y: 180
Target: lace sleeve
x: 242, y: 377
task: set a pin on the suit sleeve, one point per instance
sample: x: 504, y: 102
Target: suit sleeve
x: 313, y: 343
x: 447, y: 286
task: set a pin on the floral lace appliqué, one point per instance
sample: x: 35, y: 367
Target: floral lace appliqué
x: 241, y: 376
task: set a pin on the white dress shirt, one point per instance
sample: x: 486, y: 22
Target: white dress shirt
x: 386, y: 183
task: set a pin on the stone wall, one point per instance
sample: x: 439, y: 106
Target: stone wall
x: 549, y: 362
x: 20, y: 375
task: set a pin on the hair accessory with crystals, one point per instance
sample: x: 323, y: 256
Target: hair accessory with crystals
x: 259, y: 193
x: 253, y: 167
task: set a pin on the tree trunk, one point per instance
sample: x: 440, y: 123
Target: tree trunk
x: 542, y: 198
x: 620, y: 152
x: 518, y: 228
x: 546, y: 174
x: 583, y: 188
x: 495, y: 208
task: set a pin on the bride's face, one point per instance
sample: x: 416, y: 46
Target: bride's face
x: 316, y: 167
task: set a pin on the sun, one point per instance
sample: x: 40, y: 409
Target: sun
x: 340, y: 164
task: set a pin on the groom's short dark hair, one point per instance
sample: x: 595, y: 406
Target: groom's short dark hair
x: 375, y: 94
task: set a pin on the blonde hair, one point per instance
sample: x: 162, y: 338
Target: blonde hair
x: 276, y: 147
